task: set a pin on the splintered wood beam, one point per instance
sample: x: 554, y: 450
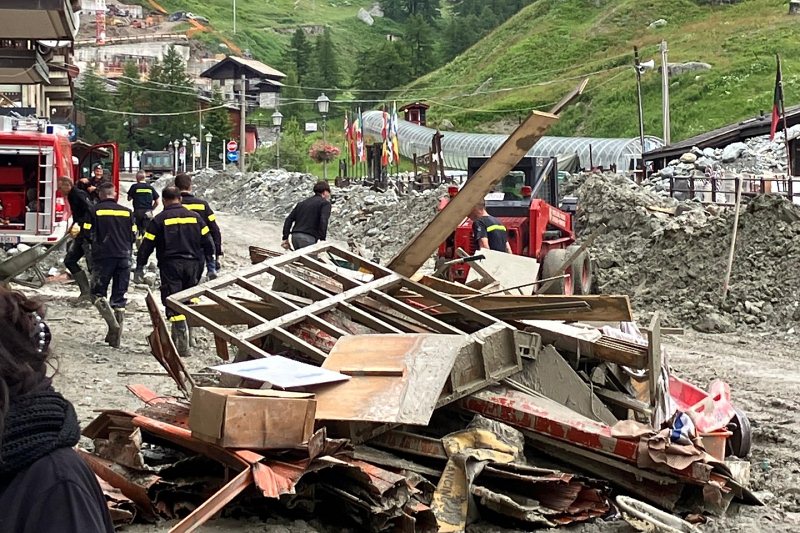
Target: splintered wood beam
x: 313, y: 264
x: 424, y: 244
x: 250, y: 318
x: 415, y: 314
x: 293, y: 341
x: 368, y: 319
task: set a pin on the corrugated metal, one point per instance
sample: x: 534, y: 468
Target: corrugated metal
x: 458, y: 146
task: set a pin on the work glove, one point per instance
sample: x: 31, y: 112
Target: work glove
x: 285, y: 245
x: 138, y: 275
x: 74, y: 230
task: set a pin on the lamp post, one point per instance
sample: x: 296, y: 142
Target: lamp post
x: 194, y: 151
x: 208, y: 147
x: 176, y: 143
x: 323, y: 104
x: 183, y: 162
x: 277, y: 120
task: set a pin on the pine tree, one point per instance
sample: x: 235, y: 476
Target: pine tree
x: 394, y: 9
x: 291, y: 94
x: 93, y: 94
x: 427, y: 9
x: 419, y: 43
x: 325, y: 68
x: 217, y: 121
x: 131, y: 98
x: 298, y: 55
x: 380, y: 69
x: 172, y: 91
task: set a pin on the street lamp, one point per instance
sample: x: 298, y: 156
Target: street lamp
x: 194, y: 151
x: 176, y: 143
x: 277, y: 120
x: 208, y: 147
x: 323, y: 104
x: 183, y: 161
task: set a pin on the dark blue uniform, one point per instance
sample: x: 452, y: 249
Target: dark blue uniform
x: 490, y: 228
x: 112, y: 234
x: 142, y: 196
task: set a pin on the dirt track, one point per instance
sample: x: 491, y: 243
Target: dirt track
x: 761, y: 369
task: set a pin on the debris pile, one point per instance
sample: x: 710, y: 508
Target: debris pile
x: 672, y: 255
x: 373, y: 221
x: 390, y: 404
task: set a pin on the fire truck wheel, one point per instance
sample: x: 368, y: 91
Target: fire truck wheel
x: 581, y: 270
x: 550, y: 268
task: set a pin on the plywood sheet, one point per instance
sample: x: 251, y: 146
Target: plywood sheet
x: 280, y: 372
x: 508, y: 271
x: 426, y: 361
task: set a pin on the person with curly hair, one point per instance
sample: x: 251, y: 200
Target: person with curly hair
x: 45, y: 487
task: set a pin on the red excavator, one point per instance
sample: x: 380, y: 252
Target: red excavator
x: 525, y: 202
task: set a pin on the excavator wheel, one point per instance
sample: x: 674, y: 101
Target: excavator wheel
x: 550, y: 267
x: 581, y: 270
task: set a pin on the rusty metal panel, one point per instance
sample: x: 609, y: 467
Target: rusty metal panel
x: 164, y: 349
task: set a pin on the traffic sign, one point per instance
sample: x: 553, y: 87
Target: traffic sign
x: 232, y: 146
x: 233, y: 157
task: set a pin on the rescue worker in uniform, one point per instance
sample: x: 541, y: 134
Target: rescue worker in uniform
x: 144, y: 199
x: 308, y: 221
x: 184, y: 183
x: 488, y: 233
x: 183, y: 244
x: 113, y: 234
x: 81, y: 207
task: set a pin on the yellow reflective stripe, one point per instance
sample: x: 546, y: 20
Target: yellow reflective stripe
x: 204, y: 230
x: 195, y: 207
x: 212, y: 218
x: 180, y: 220
x: 496, y: 227
x: 144, y: 191
x: 195, y: 301
x: 87, y: 226
x: 149, y: 236
x: 112, y: 213
x: 177, y: 318
x: 135, y: 228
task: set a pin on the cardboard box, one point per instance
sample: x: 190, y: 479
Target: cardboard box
x: 252, y: 419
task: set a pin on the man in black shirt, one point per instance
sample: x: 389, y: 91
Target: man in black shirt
x: 487, y: 231
x: 144, y: 199
x: 182, y: 243
x: 81, y: 207
x: 308, y: 221
x: 113, y: 234
x: 184, y: 183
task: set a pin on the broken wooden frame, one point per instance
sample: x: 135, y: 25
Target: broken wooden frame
x: 324, y: 288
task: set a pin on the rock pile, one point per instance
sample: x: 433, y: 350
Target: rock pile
x: 379, y: 223
x: 672, y: 255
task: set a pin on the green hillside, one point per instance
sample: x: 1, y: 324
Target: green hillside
x: 531, y: 57
x: 265, y: 26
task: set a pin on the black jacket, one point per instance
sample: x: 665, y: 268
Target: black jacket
x: 142, y: 195
x: 81, y: 206
x: 113, y: 231
x: 176, y: 233
x: 56, y: 494
x: 309, y: 216
x: 201, y: 207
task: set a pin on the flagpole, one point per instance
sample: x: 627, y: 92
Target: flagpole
x: 790, y: 185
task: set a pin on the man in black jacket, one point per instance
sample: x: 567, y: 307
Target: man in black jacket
x: 182, y: 244
x: 113, y: 234
x: 144, y: 199
x: 81, y: 207
x: 191, y: 202
x: 308, y: 221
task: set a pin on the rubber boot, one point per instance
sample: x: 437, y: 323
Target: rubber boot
x: 82, y: 281
x: 119, y: 315
x: 108, y: 315
x: 180, y: 336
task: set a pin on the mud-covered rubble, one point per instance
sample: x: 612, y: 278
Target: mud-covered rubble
x: 373, y: 222
x: 672, y: 255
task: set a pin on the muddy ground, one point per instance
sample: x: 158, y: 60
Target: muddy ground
x: 762, y: 369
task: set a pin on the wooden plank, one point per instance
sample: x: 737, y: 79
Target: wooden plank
x: 466, y: 311
x: 424, y: 244
x: 296, y: 342
x: 623, y: 400
x: 313, y: 264
x: 215, y: 503
x: 251, y: 318
x: 444, y: 286
x: 601, y: 308
x: 654, y: 357
x: 222, y: 348
x: 390, y: 316
x: 420, y: 316
x: 298, y: 283
x: 223, y: 317
x: 368, y: 320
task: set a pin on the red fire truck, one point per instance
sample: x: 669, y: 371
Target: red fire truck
x: 33, y: 155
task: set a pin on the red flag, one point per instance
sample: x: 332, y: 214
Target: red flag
x: 351, y: 136
x: 777, y: 101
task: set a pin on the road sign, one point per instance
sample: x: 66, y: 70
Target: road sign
x: 233, y: 157
x: 232, y: 146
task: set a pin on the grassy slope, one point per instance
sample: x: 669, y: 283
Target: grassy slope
x: 265, y: 26
x: 555, y: 39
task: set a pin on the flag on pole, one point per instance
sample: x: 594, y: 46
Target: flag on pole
x: 346, y: 132
x: 395, y: 140
x: 777, y: 101
x: 389, y: 140
x: 351, y: 144
x: 384, y: 137
x: 359, y: 137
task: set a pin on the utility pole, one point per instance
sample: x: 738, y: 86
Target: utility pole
x: 243, y: 113
x: 234, y: 16
x: 665, y: 93
x: 638, y: 68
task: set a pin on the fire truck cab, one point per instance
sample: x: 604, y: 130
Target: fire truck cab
x: 33, y: 155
